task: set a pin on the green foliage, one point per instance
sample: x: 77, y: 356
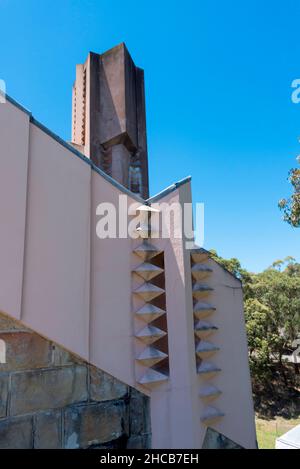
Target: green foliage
x: 291, y: 206
x: 257, y: 318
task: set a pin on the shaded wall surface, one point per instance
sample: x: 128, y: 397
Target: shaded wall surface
x: 49, y: 398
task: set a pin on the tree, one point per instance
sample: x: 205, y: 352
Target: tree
x: 291, y: 206
x: 257, y: 318
x: 279, y: 292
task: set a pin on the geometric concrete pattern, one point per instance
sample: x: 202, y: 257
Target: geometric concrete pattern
x: 202, y: 329
x: 149, y: 356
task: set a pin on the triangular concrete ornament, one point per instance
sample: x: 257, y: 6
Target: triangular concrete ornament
x: 201, y: 290
x: 148, y: 291
x: 146, y: 251
x: 202, y: 309
x: 200, y: 271
x: 204, y: 329
x: 149, y: 312
x: 150, y: 334
x: 205, y: 349
x: 207, y: 368
x: 148, y: 271
x: 211, y: 415
x: 209, y: 392
x: 150, y: 356
x: 199, y: 255
x: 152, y: 376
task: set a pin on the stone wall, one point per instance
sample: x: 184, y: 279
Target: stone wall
x: 49, y: 398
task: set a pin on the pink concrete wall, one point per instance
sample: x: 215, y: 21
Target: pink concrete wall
x: 111, y: 329
x: 57, y: 246
x: 14, y: 142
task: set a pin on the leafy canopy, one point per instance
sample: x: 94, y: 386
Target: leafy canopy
x: 291, y: 206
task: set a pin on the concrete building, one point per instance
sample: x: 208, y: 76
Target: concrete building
x: 118, y: 341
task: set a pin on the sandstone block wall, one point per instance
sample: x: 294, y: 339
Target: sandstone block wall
x: 50, y: 398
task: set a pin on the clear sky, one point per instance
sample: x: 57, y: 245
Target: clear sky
x: 218, y: 90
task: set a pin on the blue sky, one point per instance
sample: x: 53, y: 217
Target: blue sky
x: 218, y: 90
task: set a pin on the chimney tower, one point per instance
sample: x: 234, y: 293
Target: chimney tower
x: 109, y: 119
